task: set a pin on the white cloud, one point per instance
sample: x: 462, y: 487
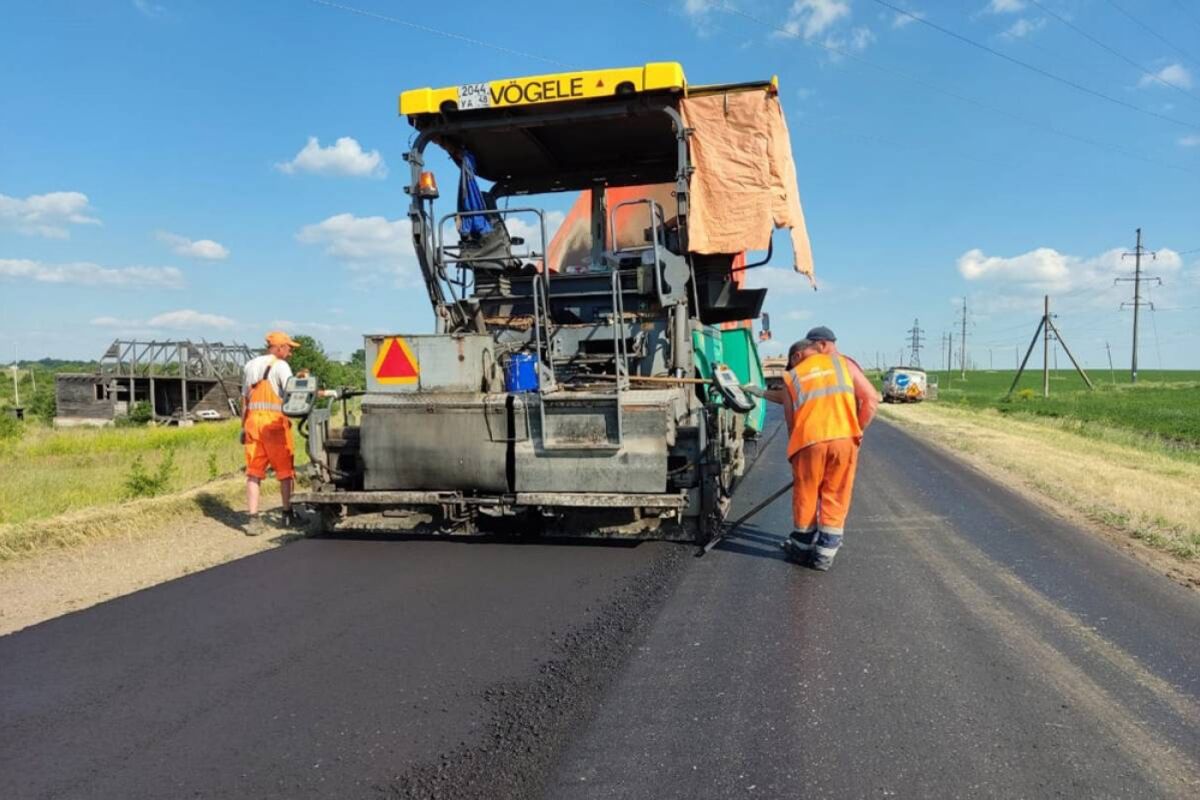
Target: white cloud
x: 526, y: 227
x: 85, y: 273
x: 1191, y: 140
x: 343, y: 157
x: 46, y: 214
x: 798, y: 314
x: 205, y: 249
x: 1173, y: 74
x: 808, y: 19
x: 1005, y: 6
x: 350, y: 238
x: 187, y: 318
x: 778, y: 280
x: 860, y: 38
x: 700, y: 13
x: 1024, y: 27
x: 1046, y: 270
x: 294, y: 327
x: 149, y: 9
x: 904, y: 20
x: 181, y: 319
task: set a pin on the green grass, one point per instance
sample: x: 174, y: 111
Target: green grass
x: 1164, y: 406
x: 50, y: 471
x: 54, y: 471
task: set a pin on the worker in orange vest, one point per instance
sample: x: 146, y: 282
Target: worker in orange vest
x: 266, y: 432
x: 828, y: 403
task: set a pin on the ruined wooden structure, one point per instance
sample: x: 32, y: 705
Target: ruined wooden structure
x: 181, y: 380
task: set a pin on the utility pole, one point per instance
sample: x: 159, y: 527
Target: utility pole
x: 1137, y: 303
x: 1045, y: 327
x: 1112, y: 373
x: 949, y: 354
x: 963, y: 342
x: 1046, y: 349
x: 917, y: 342
x: 16, y: 382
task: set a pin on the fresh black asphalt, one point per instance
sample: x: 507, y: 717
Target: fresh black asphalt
x: 966, y: 644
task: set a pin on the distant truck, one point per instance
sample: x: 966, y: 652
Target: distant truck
x: 905, y: 385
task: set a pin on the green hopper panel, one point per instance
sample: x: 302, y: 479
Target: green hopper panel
x: 736, y: 349
x: 740, y: 353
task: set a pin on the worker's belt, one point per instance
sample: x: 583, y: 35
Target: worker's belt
x: 263, y: 406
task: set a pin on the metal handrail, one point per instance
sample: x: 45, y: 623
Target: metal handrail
x: 441, y: 247
x: 541, y: 305
x: 653, y: 246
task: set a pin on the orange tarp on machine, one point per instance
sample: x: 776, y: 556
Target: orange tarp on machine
x: 744, y: 183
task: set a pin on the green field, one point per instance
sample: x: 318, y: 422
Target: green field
x: 1164, y: 404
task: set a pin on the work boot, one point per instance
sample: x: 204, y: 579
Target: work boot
x: 255, y: 526
x: 798, y: 547
x: 288, y: 518
x: 824, y: 550
x: 821, y: 563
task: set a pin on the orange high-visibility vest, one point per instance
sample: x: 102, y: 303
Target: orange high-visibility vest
x: 264, y: 407
x: 821, y: 403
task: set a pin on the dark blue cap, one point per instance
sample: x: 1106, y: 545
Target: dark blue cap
x: 820, y: 334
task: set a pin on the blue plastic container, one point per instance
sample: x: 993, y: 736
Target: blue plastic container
x: 521, y: 373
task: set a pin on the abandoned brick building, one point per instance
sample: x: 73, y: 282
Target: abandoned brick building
x: 182, y: 381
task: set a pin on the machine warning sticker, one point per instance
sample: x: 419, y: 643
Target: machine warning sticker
x: 395, y: 363
x: 472, y: 95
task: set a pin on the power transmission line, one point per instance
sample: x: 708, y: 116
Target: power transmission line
x: 1137, y: 302
x: 1187, y: 12
x: 1148, y: 73
x: 931, y: 87
x: 1038, y: 70
x: 447, y: 34
x: 963, y: 341
x: 1153, y: 33
x: 917, y: 341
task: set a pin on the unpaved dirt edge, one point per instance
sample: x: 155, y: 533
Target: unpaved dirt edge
x: 89, y: 557
x: 1182, y: 572
x: 530, y: 723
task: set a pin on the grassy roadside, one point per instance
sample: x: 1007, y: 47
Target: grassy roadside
x: 65, y: 487
x: 1163, y: 404
x: 217, y: 499
x: 1147, y: 487
x: 51, y: 471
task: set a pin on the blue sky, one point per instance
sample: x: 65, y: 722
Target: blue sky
x: 179, y: 168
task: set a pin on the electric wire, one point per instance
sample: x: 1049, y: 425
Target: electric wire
x: 1148, y: 73
x: 447, y: 34
x: 1191, y: 15
x: 1153, y: 32
x: 895, y: 73
x: 1038, y: 70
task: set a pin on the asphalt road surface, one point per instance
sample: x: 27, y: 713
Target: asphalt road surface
x: 965, y: 644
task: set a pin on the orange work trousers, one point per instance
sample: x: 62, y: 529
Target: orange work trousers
x: 823, y: 480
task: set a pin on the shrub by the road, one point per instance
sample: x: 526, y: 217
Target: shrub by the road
x: 140, y: 482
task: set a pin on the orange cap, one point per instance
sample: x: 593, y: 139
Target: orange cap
x: 275, y: 338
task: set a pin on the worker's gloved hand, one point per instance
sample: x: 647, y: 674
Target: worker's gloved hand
x: 757, y: 391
